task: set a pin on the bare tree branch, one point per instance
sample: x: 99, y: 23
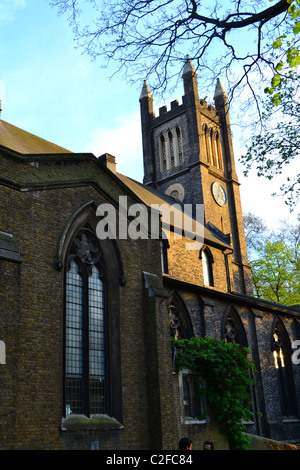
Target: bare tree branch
x: 148, y: 38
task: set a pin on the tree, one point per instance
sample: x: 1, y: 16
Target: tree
x: 255, y: 230
x: 274, y: 258
x: 278, y: 142
x: 275, y: 276
x: 147, y: 38
x: 254, y: 45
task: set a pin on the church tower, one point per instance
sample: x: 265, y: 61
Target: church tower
x: 188, y: 154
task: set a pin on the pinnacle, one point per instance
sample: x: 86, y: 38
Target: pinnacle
x: 219, y: 90
x: 188, y: 67
x: 145, y: 93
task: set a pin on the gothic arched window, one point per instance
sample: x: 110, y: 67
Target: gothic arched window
x: 179, y: 145
x: 204, y: 127
x: 192, y: 405
x: 92, y: 273
x: 163, y: 153
x: 281, y: 350
x: 180, y: 324
x: 171, y: 149
x: 207, y: 261
x: 85, y: 360
x: 212, y: 147
x: 218, y: 151
x: 233, y: 330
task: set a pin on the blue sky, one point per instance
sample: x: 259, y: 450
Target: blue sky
x: 51, y: 89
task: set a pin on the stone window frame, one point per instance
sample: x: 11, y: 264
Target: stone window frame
x: 280, y: 344
x: 180, y: 323
x: 164, y: 246
x: 78, y: 326
x: 207, y: 266
x: 232, y: 327
x: 191, y: 376
x: 85, y: 217
x: 213, y: 148
x: 170, y: 148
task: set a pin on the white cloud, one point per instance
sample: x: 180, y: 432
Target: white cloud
x: 124, y: 141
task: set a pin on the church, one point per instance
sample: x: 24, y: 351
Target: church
x: 88, y: 305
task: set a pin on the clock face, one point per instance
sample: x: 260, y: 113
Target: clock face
x: 219, y: 194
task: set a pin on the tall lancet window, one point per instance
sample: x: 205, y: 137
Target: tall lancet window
x: 281, y: 349
x: 179, y: 145
x: 218, y: 151
x: 212, y: 147
x: 85, y: 357
x: 171, y: 149
x: 163, y: 153
x: 206, y: 142
x: 207, y: 262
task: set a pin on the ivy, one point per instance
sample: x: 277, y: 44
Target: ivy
x: 226, y: 369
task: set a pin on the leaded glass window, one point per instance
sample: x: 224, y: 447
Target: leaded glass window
x: 85, y: 358
x: 74, y: 339
x: 96, y: 343
x: 194, y: 404
x: 283, y: 369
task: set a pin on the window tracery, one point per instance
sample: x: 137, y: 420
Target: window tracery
x: 233, y: 329
x: 170, y: 149
x: 213, y: 150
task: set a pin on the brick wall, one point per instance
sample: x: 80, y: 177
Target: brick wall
x: 32, y: 314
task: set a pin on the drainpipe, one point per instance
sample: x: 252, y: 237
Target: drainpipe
x: 226, y: 252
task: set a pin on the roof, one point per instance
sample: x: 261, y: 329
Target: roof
x: 150, y: 196
x: 25, y: 143
x: 21, y: 141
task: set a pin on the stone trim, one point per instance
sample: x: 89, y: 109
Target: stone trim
x: 82, y: 422
x: 8, y: 248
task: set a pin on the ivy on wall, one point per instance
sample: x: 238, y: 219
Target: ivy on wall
x: 228, y: 373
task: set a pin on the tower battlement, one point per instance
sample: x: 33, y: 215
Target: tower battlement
x: 176, y: 109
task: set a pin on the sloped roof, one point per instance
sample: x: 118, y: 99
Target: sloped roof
x: 25, y: 143
x: 151, y: 196
x: 21, y: 141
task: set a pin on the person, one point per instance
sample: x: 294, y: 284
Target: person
x: 185, y: 444
x: 208, y: 445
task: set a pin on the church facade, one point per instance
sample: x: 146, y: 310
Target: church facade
x: 87, y: 311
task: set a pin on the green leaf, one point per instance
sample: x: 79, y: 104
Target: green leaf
x: 291, y: 9
x: 279, y: 66
x: 276, y: 80
x: 296, y: 28
x: 277, y: 44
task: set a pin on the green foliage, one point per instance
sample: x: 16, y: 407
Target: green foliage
x: 275, y: 274
x: 287, y: 49
x: 226, y: 370
x: 274, y: 257
x: 278, y: 142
